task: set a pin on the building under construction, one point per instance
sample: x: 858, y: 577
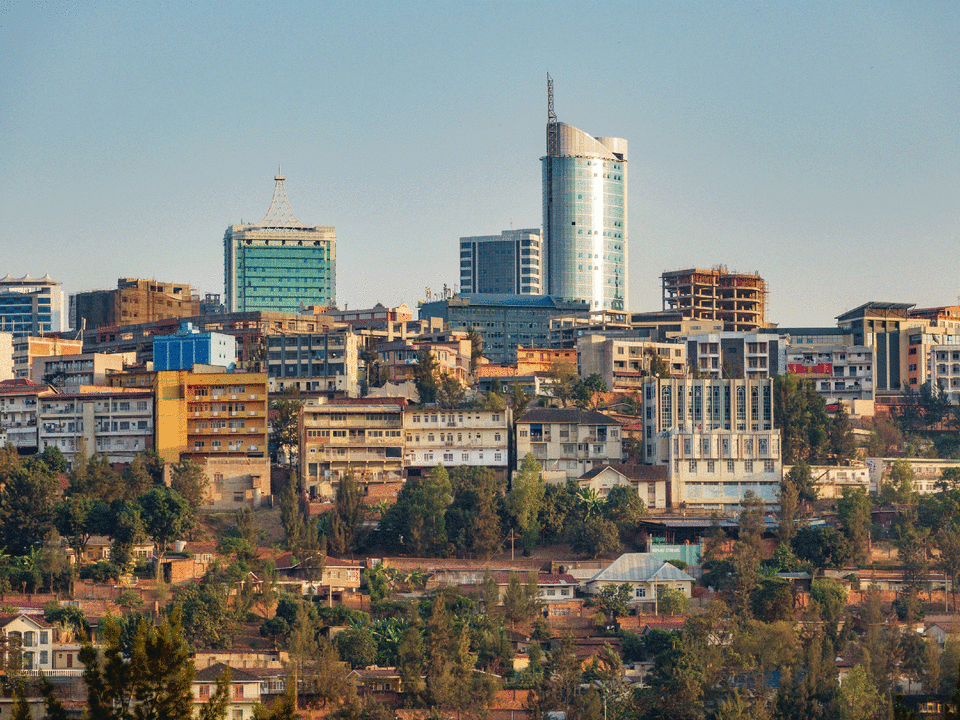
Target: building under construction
x: 738, y: 300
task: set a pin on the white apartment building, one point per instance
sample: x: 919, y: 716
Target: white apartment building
x: 625, y: 363
x: 568, y: 442
x: 736, y: 354
x: 114, y: 423
x: 944, y: 370
x: 470, y: 437
x: 18, y: 412
x: 841, y: 373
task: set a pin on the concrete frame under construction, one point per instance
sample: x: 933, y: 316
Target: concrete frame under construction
x: 738, y: 300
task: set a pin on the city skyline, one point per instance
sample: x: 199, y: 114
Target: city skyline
x: 817, y: 145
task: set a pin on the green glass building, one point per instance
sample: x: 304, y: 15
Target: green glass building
x: 279, y: 264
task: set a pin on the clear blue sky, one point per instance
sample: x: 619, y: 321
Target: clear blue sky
x: 814, y: 142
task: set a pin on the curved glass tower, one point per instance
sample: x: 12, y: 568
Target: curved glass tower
x: 585, y: 216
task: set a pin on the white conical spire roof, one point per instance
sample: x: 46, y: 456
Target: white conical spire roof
x: 280, y: 215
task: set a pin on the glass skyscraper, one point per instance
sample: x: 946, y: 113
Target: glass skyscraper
x: 279, y: 264
x: 585, y: 216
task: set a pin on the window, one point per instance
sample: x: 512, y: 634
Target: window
x: 693, y: 466
x: 730, y: 468
x: 238, y: 692
x: 641, y: 592
x: 748, y: 467
x: 43, y: 657
x: 204, y: 692
x: 238, y: 496
x: 768, y: 466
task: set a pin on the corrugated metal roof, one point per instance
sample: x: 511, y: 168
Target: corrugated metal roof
x: 640, y: 567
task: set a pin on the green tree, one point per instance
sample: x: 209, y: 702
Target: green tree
x: 843, y: 445
x: 208, y: 622
x: 154, y: 682
x: 417, y: 521
x: 611, y: 601
x: 451, y: 393
x: 525, y: 499
x: 77, y: 518
x: 831, y: 599
x: 801, y: 476
x: 588, y: 392
x: 348, y: 516
x: 191, y: 482
x: 356, y: 646
x: 54, y: 459
x: 853, y: 512
x: 378, y: 582
x: 473, y: 518
x: 410, y: 662
x: 594, y: 536
x: 745, y: 560
x: 27, y: 495
x: 672, y: 601
x: 898, y: 485
x: 137, y: 478
x: 519, y: 400
x: 426, y: 376
x: 285, y: 426
x: 476, y: 348
x: 624, y: 508
x: 772, y: 600
x: 822, y: 546
x: 803, y: 419
x: 947, y: 541
x: 166, y: 516
x: 563, y: 377
x: 216, y: 707
x: 656, y: 367
x: 789, y: 509
x: 126, y: 530
x: 857, y: 698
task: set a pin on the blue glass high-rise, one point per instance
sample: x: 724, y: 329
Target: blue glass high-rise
x: 585, y: 217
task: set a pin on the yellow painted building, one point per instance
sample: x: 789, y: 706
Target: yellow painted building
x: 217, y: 419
